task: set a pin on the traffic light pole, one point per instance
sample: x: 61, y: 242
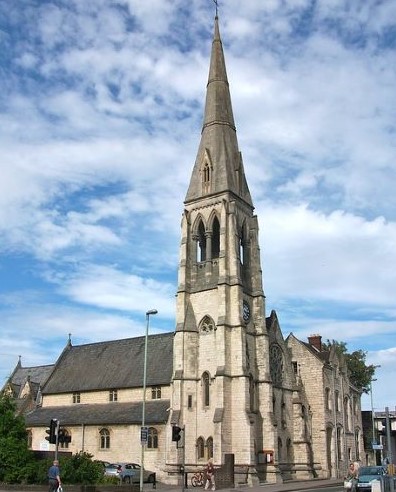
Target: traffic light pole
x: 57, y: 439
x: 183, y: 457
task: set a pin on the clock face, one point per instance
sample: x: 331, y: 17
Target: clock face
x: 246, y: 311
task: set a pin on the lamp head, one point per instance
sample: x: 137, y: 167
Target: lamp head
x: 151, y: 311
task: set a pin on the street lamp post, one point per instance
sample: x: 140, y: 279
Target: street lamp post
x: 148, y: 314
x: 374, y: 437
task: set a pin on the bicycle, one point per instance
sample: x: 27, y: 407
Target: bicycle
x: 198, y: 479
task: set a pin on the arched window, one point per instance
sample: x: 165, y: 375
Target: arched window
x: 252, y: 395
x: 152, y: 438
x: 216, y: 238
x: 29, y: 438
x: 346, y: 413
x: 200, y: 448
x: 209, y: 447
x: 242, y: 251
x: 304, y: 422
x: 289, y: 450
x: 327, y: 399
x: 280, y: 450
x: 206, y: 389
x: 276, y: 364
x: 201, y: 250
x: 339, y: 442
x: 104, y: 435
x: 206, y: 177
x: 207, y: 325
x: 65, y: 434
x: 357, y: 439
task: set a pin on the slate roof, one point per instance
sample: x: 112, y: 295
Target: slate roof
x: 38, y: 376
x: 114, y: 364
x: 156, y: 412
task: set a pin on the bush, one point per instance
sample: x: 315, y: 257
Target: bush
x: 80, y: 469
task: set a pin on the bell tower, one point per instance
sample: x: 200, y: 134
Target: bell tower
x: 221, y: 389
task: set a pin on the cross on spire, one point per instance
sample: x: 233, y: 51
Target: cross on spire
x: 217, y: 7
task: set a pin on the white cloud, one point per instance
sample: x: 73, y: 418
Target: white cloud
x: 100, y: 118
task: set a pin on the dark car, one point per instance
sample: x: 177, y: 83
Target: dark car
x: 368, y: 474
x: 129, y: 473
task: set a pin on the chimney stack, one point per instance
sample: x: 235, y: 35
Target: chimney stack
x: 316, y: 342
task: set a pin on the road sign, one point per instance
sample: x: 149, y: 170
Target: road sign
x: 144, y: 435
x: 378, y: 446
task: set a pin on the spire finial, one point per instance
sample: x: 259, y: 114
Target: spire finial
x: 217, y: 7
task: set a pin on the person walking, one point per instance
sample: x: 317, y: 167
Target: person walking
x: 210, y: 475
x: 54, y: 479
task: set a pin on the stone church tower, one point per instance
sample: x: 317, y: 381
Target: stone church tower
x: 221, y: 389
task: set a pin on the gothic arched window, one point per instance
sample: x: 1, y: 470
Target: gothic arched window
x: 276, y: 364
x: 252, y: 394
x: 207, y: 325
x: 200, y: 448
x: 327, y: 399
x: 209, y: 447
x: 201, y: 250
x: 152, y: 438
x: 242, y: 247
x: 62, y: 444
x: 29, y: 439
x: 104, y: 435
x: 216, y: 238
x: 206, y: 177
x: 206, y: 389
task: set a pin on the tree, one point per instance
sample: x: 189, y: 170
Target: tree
x: 14, y: 452
x: 360, y: 374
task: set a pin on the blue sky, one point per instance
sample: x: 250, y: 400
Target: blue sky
x: 100, y: 115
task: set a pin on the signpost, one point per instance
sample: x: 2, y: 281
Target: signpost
x: 144, y: 435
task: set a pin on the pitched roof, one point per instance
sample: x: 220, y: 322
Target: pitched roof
x: 114, y: 364
x: 156, y: 412
x: 36, y: 374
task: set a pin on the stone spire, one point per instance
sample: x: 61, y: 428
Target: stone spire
x: 218, y: 149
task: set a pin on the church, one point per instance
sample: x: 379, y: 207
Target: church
x: 282, y: 408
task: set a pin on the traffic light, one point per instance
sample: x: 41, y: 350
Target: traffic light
x: 176, y: 433
x: 382, y: 430
x: 52, y: 431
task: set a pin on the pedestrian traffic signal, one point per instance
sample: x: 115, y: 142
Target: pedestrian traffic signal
x: 176, y: 433
x: 52, y: 431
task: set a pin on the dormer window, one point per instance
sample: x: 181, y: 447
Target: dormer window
x: 206, y: 173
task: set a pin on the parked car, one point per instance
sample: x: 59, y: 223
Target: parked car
x: 129, y: 472
x: 112, y: 469
x: 368, y: 474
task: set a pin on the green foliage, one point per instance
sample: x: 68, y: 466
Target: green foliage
x: 360, y: 374
x: 18, y: 463
x: 15, y: 457
x: 79, y: 468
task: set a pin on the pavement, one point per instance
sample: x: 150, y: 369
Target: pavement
x: 291, y: 486
x: 295, y: 485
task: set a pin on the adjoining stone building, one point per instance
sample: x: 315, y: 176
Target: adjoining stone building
x: 283, y: 408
